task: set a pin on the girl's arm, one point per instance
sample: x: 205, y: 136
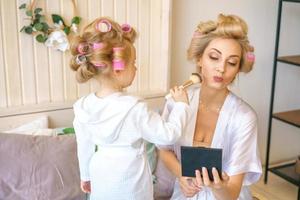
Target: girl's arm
x: 85, y: 149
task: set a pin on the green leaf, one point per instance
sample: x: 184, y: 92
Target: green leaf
x: 57, y: 18
x: 68, y: 130
x: 29, y: 13
x: 67, y: 30
x: 37, y: 10
x: 76, y: 20
x: 45, y: 27
x: 37, y: 16
x: 22, y: 6
x: 28, y: 29
x: 42, y: 18
x: 41, y: 38
x: 38, y: 26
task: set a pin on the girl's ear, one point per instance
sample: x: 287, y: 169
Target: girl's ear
x: 117, y: 72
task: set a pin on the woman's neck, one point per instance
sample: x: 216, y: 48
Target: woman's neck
x: 212, y: 97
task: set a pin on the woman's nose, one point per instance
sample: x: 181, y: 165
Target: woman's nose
x: 221, y: 67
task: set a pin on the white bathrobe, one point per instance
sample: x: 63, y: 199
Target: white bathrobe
x: 235, y: 133
x: 119, y: 124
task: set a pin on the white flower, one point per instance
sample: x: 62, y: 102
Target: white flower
x: 59, y: 25
x: 74, y: 28
x: 58, y: 40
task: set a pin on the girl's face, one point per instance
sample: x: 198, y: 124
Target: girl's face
x: 220, y: 63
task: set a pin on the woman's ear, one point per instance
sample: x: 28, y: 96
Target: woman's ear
x: 199, y: 62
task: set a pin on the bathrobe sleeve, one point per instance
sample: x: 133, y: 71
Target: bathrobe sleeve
x: 165, y: 115
x: 163, y: 130
x: 85, y: 149
x: 244, y: 156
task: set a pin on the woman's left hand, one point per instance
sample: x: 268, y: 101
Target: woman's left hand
x: 217, y: 183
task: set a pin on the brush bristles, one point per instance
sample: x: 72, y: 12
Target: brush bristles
x: 195, y: 78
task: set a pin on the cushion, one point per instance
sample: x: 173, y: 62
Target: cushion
x: 39, y: 167
x: 163, y: 187
x: 38, y: 126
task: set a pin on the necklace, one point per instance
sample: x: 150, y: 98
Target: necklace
x: 216, y: 109
x: 207, y: 108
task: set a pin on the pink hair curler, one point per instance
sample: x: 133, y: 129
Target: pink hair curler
x: 98, y: 45
x: 82, y: 48
x: 250, y: 56
x: 126, y: 28
x: 118, y: 65
x: 99, y: 26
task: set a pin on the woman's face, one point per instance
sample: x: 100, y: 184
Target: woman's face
x: 220, y: 63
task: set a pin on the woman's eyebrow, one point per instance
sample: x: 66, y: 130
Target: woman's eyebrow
x: 221, y: 53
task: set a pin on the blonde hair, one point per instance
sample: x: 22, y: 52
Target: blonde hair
x: 230, y: 26
x: 86, y: 62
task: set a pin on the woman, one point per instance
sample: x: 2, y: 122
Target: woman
x: 219, y: 119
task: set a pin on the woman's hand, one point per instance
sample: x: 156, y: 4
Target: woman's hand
x: 85, y: 186
x: 179, y: 94
x: 188, y: 186
x: 217, y: 183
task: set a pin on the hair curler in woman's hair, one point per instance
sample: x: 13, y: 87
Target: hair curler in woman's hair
x: 194, y: 78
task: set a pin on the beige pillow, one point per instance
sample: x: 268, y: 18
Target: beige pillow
x: 39, y: 167
x: 38, y: 126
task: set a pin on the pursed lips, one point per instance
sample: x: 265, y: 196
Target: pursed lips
x: 218, y: 79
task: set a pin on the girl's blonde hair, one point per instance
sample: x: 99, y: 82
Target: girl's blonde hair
x: 230, y: 26
x: 93, y: 52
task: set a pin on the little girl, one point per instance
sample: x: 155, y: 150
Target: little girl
x: 114, y: 121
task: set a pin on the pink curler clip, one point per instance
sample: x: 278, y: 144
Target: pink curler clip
x: 100, y: 23
x: 98, y: 45
x: 118, y: 65
x: 126, y: 28
x: 250, y: 56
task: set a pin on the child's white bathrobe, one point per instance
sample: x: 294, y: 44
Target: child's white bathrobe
x: 235, y: 133
x: 119, y: 124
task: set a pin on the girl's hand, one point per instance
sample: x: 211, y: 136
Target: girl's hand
x: 216, y: 184
x: 179, y: 94
x: 188, y: 186
x: 85, y: 186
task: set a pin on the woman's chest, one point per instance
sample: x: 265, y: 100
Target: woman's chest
x: 205, y: 126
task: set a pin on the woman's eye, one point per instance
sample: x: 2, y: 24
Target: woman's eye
x: 232, y: 64
x: 213, y: 57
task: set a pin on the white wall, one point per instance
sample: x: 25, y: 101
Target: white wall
x: 255, y: 87
x: 33, y: 76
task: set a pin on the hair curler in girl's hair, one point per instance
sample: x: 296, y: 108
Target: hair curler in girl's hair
x: 118, y: 63
x: 194, y: 78
x: 103, y: 26
x: 84, y: 48
x: 126, y: 28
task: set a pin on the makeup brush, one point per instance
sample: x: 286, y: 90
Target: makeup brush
x: 194, y: 78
